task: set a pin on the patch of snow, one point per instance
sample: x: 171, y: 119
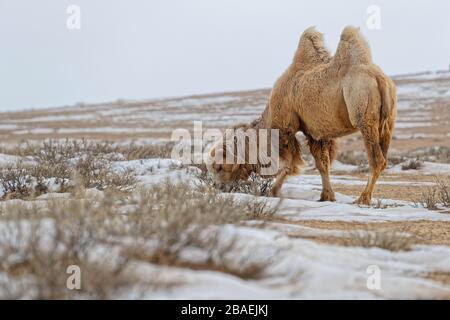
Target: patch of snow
x: 303, y: 269
x: 428, y: 168
x: 35, y: 131
x: 53, y: 195
x: 6, y: 159
x: 8, y: 126
x: 405, y: 125
x: 339, y: 166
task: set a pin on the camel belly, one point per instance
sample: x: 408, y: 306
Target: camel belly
x: 326, y: 115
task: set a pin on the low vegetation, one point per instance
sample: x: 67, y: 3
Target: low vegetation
x: 410, y: 159
x: 413, y: 165
x: 109, y: 235
x: 389, y: 240
x: 436, y: 196
x: 51, y: 150
x: 254, y: 185
x: 58, y: 166
x: 354, y: 157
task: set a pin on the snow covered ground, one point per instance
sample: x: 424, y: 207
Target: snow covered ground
x: 302, y: 268
x: 303, y: 247
x: 298, y: 267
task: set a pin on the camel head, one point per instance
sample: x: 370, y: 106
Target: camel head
x: 243, y: 150
x: 226, y: 170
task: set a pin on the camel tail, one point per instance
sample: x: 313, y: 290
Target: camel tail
x: 388, y: 111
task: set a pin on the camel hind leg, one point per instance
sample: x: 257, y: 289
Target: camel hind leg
x: 363, y: 101
x: 377, y: 161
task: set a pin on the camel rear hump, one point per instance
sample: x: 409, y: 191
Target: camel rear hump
x: 353, y: 48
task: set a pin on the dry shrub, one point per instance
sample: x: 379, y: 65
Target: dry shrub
x: 39, y: 245
x: 20, y: 181
x: 254, y: 185
x: 380, y: 204
x: 413, y: 165
x: 216, y: 257
x: 389, y: 240
x: 51, y: 148
x: 428, y: 198
x: 354, y: 157
x: 96, y: 172
x: 134, y: 152
x: 181, y: 204
x: 107, y: 236
x: 88, y: 162
x: 396, y: 159
x: 124, y: 180
x: 433, y: 154
x: 438, y: 195
x: 443, y: 190
x: 15, y: 181
x: 362, y: 168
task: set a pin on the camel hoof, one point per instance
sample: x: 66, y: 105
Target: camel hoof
x: 328, y: 197
x: 363, y: 200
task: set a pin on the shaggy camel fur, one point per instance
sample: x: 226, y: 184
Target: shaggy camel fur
x: 325, y: 98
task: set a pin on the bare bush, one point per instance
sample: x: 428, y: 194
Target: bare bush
x: 434, y: 197
x: 433, y: 154
x: 19, y: 181
x: 39, y: 245
x: 133, y: 151
x: 428, y: 198
x: 443, y: 191
x: 413, y: 165
x: 389, y: 240
x: 50, y: 151
x: 396, y: 159
x: 254, y: 185
x: 88, y: 162
x: 96, y: 172
x: 15, y: 181
x: 105, y: 237
x: 357, y: 158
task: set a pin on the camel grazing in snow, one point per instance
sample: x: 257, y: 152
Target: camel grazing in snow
x: 325, y: 98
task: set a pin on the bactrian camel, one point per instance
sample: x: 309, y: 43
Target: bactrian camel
x: 325, y: 98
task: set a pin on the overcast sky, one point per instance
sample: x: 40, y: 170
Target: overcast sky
x: 139, y: 49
